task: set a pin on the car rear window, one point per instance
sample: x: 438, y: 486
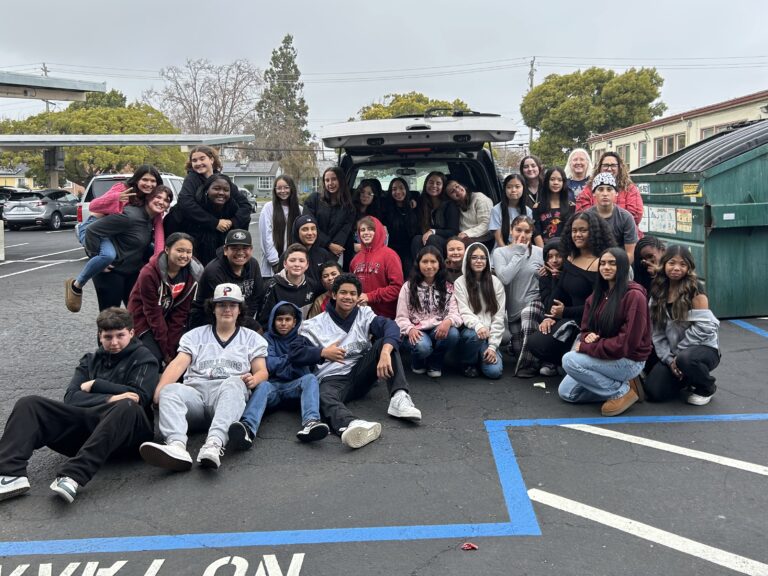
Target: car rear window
x: 101, y: 186
x: 22, y: 196
x: 415, y: 172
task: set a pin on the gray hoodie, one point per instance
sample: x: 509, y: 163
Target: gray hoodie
x: 519, y: 272
x: 699, y: 329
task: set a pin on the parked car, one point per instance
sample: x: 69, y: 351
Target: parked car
x: 413, y: 146
x: 5, y: 194
x: 51, y: 208
x: 101, y: 184
x: 251, y: 198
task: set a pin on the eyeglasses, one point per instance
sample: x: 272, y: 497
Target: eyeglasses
x: 608, y: 166
x: 478, y: 258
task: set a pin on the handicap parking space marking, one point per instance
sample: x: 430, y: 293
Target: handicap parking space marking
x: 751, y: 327
x: 670, y: 540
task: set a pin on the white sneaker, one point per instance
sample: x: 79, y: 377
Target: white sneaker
x: 173, y: 456
x: 359, y: 433
x: 697, y: 399
x: 12, y: 486
x: 418, y: 370
x: 210, y: 454
x: 433, y: 373
x: 65, y: 487
x: 401, y: 406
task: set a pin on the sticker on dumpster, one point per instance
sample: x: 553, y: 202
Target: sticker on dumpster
x: 644, y: 188
x: 644, y: 222
x: 729, y: 216
x: 684, y: 220
x: 662, y: 220
x: 692, y: 189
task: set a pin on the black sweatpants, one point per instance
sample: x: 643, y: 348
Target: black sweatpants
x: 88, y: 435
x: 336, y: 390
x: 695, y: 363
x: 114, y: 288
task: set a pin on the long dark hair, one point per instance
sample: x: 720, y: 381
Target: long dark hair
x: 279, y: 222
x: 344, y: 196
x: 688, y: 289
x: 600, y: 235
x: 623, y: 181
x: 133, y: 182
x: 483, y: 285
x: 607, y: 322
x: 463, y: 204
x: 404, y: 182
x: 525, y: 219
x: 429, y: 203
x: 640, y: 271
x: 416, y: 278
x: 521, y: 206
x: 546, y: 195
x: 374, y: 209
x: 528, y: 201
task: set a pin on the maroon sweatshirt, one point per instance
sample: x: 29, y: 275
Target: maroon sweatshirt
x: 633, y: 341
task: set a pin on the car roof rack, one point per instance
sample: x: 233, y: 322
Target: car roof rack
x: 432, y: 113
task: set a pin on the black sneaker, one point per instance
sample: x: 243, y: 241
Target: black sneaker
x: 470, y: 372
x: 313, y: 430
x: 240, y: 436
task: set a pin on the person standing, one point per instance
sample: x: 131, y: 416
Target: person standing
x: 276, y: 224
x: 577, y: 169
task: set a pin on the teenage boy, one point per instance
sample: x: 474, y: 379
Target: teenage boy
x: 621, y: 222
x: 287, y: 381
x: 107, y: 409
x: 339, y: 341
x: 221, y: 363
x: 291, y: 284
x: 235, y: 265
x: 328, y: 274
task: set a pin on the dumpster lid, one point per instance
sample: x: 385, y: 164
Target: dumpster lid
x: 718, y: 148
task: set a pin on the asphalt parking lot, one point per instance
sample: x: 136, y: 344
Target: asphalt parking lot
x: 540, y: 487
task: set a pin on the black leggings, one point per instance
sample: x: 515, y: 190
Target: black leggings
x: 548, y: 349
x: 114, y: 288
x: 695, y: 363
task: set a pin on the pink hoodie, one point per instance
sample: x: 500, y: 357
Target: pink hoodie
x: 110, y: 203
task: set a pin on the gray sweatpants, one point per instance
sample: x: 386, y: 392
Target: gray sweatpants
x: 196, y: 404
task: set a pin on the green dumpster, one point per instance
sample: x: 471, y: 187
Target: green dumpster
x: 713, y: 197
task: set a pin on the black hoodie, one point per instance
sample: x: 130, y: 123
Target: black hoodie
x: 317, y: 254
x: 134, y: 369
x: 279, y: 289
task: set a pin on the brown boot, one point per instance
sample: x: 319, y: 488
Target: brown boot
x: 637, y: 385
x: 72, y: 299
x: 619, y: 405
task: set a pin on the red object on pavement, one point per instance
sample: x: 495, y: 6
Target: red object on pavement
x: 469, y: 546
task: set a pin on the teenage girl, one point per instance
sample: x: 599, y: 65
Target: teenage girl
x: 554, y: 208
x: 511, y: 206
x: 533, y: 172
x: 685, y: 332
x: 276, y: 225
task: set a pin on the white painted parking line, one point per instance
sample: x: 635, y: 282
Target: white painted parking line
x: 675, y: 542
x: 15, y: 245
x: 54, y: 253
x: 722, y: 460
x: 33, y: 269
x: 59, y: 231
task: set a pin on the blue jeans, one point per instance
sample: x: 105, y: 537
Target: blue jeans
x: 429, y: 351
x: 471, y: 350
x: 591, y: 379
x: 97, y: 263
x: 270, y: 394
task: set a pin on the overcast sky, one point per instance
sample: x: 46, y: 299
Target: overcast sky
x: 354, y: 52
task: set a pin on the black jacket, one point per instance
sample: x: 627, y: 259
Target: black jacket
x: 278, y: 288
x: 218, y: 271
x: 134, y: 369
x: 334, y: 223
x: 402, y: 225
x: 130, y: 232
x: 194, y: 215
x: 317, y: 254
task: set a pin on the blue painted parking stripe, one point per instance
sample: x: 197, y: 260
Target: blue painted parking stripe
x: 496, y: 425
x: 750, y: 327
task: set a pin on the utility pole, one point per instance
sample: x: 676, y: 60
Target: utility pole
x: 45, y: 73
x: 531, y: 73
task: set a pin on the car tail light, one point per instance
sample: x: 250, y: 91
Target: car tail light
x: 40, y: 203
x: 79, y: 212
x: 413, y: 150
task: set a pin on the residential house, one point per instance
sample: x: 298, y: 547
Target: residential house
x: 260, y: 174
x: 16, y: 176
x: 643, y: 143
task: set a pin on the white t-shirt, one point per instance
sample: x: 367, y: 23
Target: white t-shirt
x: 216, y: 360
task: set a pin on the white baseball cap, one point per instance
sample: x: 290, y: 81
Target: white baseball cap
x: 227, y: 293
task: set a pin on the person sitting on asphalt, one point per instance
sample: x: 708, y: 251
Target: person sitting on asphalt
x: 615, y: 341
x: 339, y: 342
x: 619, y: 220
x: 107, y: 410
x: 482, y: 303
x: 378, y: 268
x: 427, y: 314
x: 328, y: 274
x: 162, y: 296
x: 235, y: 265
x: 291, y: 284
x: 221, y: 363
x: 287, y: 381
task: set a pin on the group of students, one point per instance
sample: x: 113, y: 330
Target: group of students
x: 216, y: 343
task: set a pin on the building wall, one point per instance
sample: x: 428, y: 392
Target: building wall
x: 665, y: 139
x: 16, y: 181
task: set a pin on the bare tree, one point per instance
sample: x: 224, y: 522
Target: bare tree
x: 204, y: 98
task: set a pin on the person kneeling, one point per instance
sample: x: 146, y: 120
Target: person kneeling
x: 107, y: 410
x: 287, y: 381
x: 338, y: 340
x: 615, y: 341
x: 221, y: 363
